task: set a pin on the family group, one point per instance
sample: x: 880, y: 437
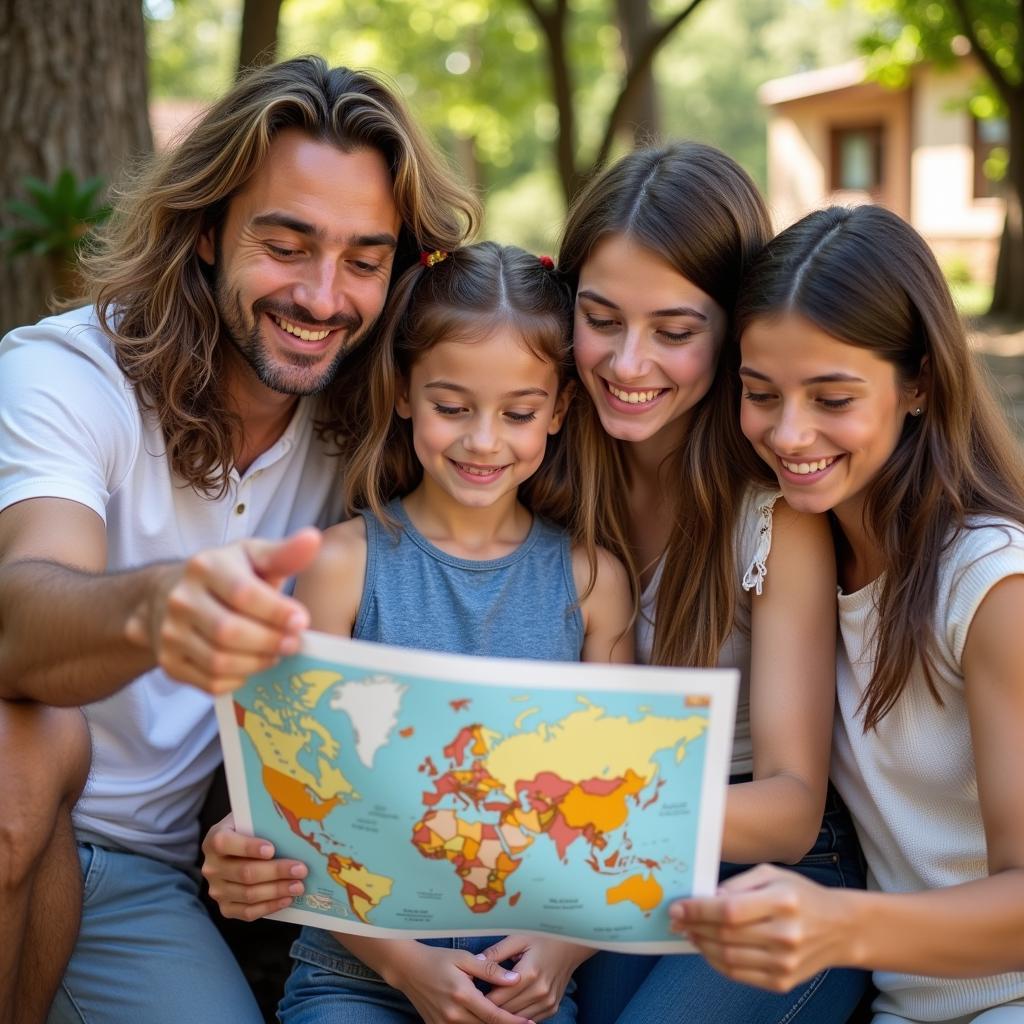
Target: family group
x: 682, y: 441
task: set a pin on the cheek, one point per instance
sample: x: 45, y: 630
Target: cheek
x: 692, y: 365
x: 589, y: 350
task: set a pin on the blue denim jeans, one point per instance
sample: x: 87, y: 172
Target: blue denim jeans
x: 147, y: 950
x: 627, y: 989
x: 328, y: 985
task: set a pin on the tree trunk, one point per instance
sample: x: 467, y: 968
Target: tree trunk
x: 641, y: 116
x: 258, y: 43
x: 72, y: 94
x: 1008, y: 291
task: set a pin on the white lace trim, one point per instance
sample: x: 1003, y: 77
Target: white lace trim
x: 754, y: 577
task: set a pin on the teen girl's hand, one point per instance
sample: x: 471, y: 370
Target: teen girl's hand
x: 436, y: 980
x: 768, y: 927
x: 544, y: 966
x: 245, y: 879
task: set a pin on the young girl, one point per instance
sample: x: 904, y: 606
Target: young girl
x: 655, y: 249
x: 861, y: 395
x: 457, y: 480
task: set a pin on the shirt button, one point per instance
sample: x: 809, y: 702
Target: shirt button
x: 240, y: 508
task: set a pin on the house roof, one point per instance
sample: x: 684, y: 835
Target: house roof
x: 812, y: 83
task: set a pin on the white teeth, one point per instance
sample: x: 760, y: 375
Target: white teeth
x: 803, y: 468
x: 634, y: 397
x: 299, y: 332
x: 477, y: 470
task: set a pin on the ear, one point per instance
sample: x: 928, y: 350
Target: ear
x: 402, y: 404
x: 562, y: 403
x: 919, y: 388
x: 206, y: 248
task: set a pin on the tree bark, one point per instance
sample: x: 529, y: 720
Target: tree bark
x: 640, y: 116
x: 1008, y: 289
x: 72, y: 94
x: 258, y: 41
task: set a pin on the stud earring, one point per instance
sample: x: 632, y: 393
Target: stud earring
x: 917, y: 411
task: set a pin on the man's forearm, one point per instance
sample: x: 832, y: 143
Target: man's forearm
x: 64, y: 636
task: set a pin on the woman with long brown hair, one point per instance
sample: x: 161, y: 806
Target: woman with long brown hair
x: 862, y: 397
x: 728, y: 575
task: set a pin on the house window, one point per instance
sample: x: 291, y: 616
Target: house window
x: 991, y: 151
x: 857, y: 159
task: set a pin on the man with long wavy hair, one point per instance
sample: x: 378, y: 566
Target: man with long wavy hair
x: 147, y: 437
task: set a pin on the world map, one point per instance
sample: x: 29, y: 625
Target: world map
x: 437, y: 808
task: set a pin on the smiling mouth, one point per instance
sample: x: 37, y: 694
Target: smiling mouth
x: 298, y: 331
x: 482, y: 473
x: 633, y: 396
x: 804, y: 468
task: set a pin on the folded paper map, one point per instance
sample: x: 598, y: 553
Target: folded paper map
x: 437, y: 795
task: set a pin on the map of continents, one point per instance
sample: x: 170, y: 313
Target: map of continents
x: 596, y: 767
x: 574, y: 780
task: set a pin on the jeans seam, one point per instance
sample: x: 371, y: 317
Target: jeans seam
x: 811, y: 989
x: 342, y: 966
x: 73, y: 1001
x: 92, y: 877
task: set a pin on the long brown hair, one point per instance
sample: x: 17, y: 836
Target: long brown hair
x: 151, y: 292
x: 467, y: 296
x: 699, y: 211
x: 868, y: 279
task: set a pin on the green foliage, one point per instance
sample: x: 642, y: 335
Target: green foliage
x: 55, y: 217
x: 475, y: 73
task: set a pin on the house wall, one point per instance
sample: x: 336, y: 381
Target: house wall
x: 943, y: 206
x: 799, y: 143
x: 928, y: 169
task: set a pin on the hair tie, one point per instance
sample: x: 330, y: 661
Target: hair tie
x: 546, y: 262
x: 430, y: 259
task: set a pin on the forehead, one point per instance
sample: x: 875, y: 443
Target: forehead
x: 501, y: 361
x: 341, y: 193
x: 791, y: 346
x: 632, y: 275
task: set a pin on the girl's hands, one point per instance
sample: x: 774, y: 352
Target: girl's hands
x: 544, y: 965
x: 439, y: 984
x: 769, y: 927
x: 245, y: 879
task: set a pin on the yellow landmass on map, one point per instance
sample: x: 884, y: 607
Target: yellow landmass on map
x: 590, y: 744
x: 279, y: 733
x: 643, y: 890
x: 364, y: 889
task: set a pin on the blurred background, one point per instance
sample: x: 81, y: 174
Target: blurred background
x: 916, y: 104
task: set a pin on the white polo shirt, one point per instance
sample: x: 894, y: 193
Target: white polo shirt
x: 70, y: 427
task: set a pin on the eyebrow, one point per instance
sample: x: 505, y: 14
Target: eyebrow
x: 275, y: 219
x: 675, y: 311
x: 447, y: 385
x: 825, y: 378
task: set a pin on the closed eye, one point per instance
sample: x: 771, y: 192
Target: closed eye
x: 757, y: 397
x: 835, y: 403
x: 597, y: 323
x: 521, y: 417
x: 448, y: 410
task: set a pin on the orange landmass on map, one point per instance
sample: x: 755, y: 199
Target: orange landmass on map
x: 643, y: 890
x: 294, y: 799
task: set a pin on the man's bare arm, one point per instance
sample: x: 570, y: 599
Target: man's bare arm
x: 71, y: 633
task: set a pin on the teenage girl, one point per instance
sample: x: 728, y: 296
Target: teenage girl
x: 654, y: 250
x: 862, y: 397
x: 457, y: 481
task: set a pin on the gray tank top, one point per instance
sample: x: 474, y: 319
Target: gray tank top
x: 521, y: 606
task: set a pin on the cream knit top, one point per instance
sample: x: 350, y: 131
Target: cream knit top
x: 911, y: 784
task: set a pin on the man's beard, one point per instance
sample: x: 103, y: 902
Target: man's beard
x: 303, y: 374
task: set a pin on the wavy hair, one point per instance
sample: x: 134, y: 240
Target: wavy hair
x: 474, y: 291
x: 868, y: 279
x: 152, y: 294
x: 698, y: 210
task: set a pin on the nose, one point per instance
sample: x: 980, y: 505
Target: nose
x: 629, y: 360
x: 320, y: 291
x: 482, y: 437
x: 793, y: 430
